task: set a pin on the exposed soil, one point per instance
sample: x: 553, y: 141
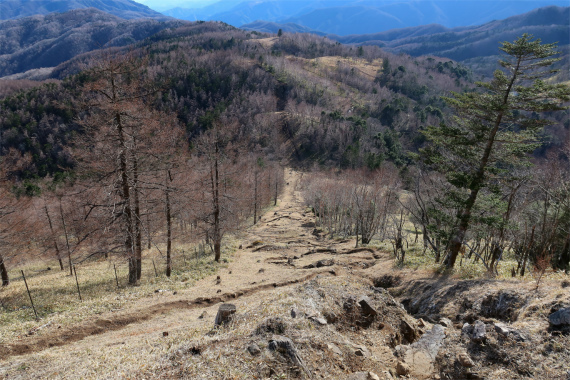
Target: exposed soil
x: 288, y: 279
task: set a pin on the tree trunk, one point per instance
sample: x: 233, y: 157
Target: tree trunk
x: 4, y: 272
x: 255, y: 198
x: 168, y: 230
x: 127, y: 211
x: 54, y: 239
x: 137, y: 218
x: 216, y: 195
x: 66, y: 238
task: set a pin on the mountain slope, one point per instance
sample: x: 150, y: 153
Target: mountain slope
x: 127, y: 9
x: 47, y: 41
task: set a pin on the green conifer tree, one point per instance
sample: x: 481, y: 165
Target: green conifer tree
x: 495, y: 129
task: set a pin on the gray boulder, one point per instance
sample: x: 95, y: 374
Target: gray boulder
x: 560, y: 318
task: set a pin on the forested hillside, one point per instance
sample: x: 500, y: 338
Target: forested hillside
x: 335, y: 104
x: 126, y: 9
x: 43, y: 42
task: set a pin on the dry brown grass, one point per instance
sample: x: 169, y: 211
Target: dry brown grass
x: 56, y: 299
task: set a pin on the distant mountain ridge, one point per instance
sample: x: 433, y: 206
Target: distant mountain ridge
x: 46, y: 41
x: 347, y: 17
x: 126, y: 9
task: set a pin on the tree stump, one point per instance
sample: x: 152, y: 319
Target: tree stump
x: 225, y: 313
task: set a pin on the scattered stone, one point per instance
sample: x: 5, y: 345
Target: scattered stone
x: 204, y: 314
x: 225, y: 314
x: 165, y: 333
x: 479, y: 334
x: 261, y: 270
x: 319, y: 320
x: 363, y: 376
x: 240, y: 246
x: 293, y: 313
x: 504, y: 330
x: 402, y: 369
x: 334, y: 349
x: 465, y: 360
x: 254, y: 349
x: 362, y: 351
x: 320, y: 264
x: 565, y: 284
x: 286, y: 347
x: 560, y: 318
x: 366, y: 307
x: 219, y: 291
x: 174, y: 293
x: 230, y: 272
x: 467, y: 329
x: 446, y: 322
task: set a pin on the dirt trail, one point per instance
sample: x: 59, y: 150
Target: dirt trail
x: 274, y: 253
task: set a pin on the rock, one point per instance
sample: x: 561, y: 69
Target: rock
x: 373, y: 376
x: 479, y: 334
x: 465, y: 360
x: 261, y: 270
x: 293, y: 313
x: 165, y: 333
x: 504, y: 330
x: 362, y: 351
x: 408, y: 331
x: 320, y: 264
x: 363, y: 376
x: 467, y: 329
x: 446, y: 322
x: 366, y: 307
x: 420, y: 356
x: 402, y: 369
x: 319, y: 320
x: 225, y: 314
x: 560, y: 318
x: 204, y: 313
x: 286, y: 347
x: 254, y: 349
x: 333, y: 348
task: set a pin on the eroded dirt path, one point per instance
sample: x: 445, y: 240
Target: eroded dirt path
x: 275, y: 253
